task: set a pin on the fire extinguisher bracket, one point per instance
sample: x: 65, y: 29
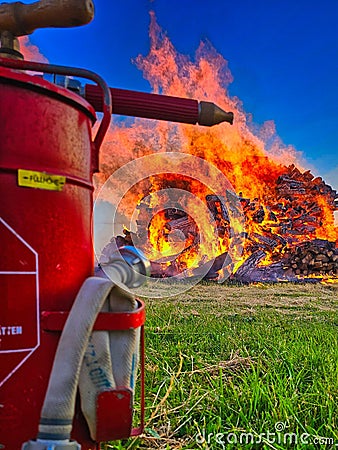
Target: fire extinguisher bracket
x: 114, y: 407
x: 55, y: 320
x: 114, y: 414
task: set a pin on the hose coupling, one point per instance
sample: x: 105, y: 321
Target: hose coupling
x: 51, y: 445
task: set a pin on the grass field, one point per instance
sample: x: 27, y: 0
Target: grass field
x: 242, y: 367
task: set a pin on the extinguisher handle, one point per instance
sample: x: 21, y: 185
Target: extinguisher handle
x: 21, y: 19
x: 76, y: 72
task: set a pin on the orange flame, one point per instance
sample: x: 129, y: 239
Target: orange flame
x: 252, y: 161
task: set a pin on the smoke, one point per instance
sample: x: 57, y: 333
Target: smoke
x: 274, y: 146
x: 332, y: 178
x: 31, y: 52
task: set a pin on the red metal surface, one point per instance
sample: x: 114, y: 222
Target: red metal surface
x: 106, y: 101
x: 139, y: 430
x: 55, y: 320
x: 114, y: 408
x: 114, y: 412
x: 45, y: 240
x: 150, y: 106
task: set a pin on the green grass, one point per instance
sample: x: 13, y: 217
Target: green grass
x: 241, y: 361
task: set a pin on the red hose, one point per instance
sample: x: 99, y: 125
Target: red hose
x: 150, y: 106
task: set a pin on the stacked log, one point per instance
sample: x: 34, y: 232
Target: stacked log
x: 184, y: 224
x: 298, y: 208
x: 294, y: 182
x: 244, y: 272
x: 315, y: 257
x: 286, y: 225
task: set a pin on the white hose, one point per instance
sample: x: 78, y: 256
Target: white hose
x: 109, y: 360
x: 95, y: 362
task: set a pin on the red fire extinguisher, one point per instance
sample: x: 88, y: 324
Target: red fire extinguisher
x: 63, y: 328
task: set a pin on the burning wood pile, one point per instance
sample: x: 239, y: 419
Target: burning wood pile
x: 289, y: 231
x: 284, y: 239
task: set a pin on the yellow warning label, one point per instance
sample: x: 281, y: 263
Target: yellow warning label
x: 40, y: 180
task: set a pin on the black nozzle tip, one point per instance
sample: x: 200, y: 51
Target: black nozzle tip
x: 210, y: 114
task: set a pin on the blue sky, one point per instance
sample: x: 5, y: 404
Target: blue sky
x: 283, y: 55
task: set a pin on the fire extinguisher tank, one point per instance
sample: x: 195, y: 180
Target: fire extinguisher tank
x: 45, y: 232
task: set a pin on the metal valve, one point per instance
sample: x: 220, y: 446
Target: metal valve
x: 51, y: 445
x: 127, y: 265
x: 18, y: 19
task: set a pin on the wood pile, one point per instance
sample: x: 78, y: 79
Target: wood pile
x: 285, y: 228
x: 300, y: 212
x: 249, y: 272
x: 294, y: 212
x: 312, y: 258
x: 281, y: 230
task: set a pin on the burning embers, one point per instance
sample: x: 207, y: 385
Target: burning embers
x: 172, y: 237
x: 283, y: 235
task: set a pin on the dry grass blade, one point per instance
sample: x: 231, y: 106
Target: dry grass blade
x: 236, y: 363
x: 164, y: 443
x: 166, y: 395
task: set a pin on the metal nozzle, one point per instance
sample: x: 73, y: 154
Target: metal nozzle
x: 127, y: 265
x: 21, y: 19
x: 47, y: 445
x: 210, y: 114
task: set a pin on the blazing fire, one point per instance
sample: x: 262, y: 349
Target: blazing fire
x: 284, y: 205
